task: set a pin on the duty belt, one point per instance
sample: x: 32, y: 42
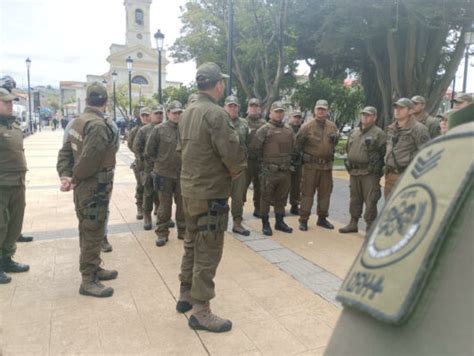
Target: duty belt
x: 359, y: 165
x: 393, y: 170
x: 307, y: 158
x: 273, y: 167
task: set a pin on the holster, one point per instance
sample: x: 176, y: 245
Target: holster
x: 217, y: 217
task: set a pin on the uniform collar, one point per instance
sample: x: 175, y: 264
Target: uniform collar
x: 276, y: 123
x: 172, y: 124
x: 206, y: 97
x: 93, y: 110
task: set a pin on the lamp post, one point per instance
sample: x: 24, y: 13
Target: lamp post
x: 468, y: 41
x: 114, y: 79
x: 129, y: 67
x: 230, y: 46
x: 159, y: 38
x: 28, y: 65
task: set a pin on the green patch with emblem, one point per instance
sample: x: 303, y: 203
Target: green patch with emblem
x: 392, y: 267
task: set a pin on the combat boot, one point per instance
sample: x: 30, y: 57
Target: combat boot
x: 266, y: 229
x: 185, y: 302
x: 91, y: 286
x: 351, y: 227
x: 8, y: 265
x: 171, y: 224
x: 105, y: 274
x: 105, y: 246
x: 161, y: 241
x: 256, y: 214
x: 303, y: 225
x: 295, y: 210
x: 281, y: 225
x: 24, y: 238
x: 238, y: 228
x: 139, y: 212
x: 4, y: 278
x: 202, y: 318
x: 323, y: 222
x: 369, y: 225
x: 147, y: 220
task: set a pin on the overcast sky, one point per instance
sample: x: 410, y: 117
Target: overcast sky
x: 68, y: 39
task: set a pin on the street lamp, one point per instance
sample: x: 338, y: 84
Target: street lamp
x: 129, y: 67
x: 159, y: 38
x: 114, y: 78
x: 468, y: 41
x: 28, y: 65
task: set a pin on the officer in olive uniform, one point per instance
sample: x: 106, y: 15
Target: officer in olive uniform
x: 86, y: 163
x: 431, y: 123
x: 254, y: 121
x: 137, y: 165
x: 211, y: 156
x: 295, y: 191
x: 238, y: 188
x: 192, y: 98
x: 366, y: 146
x: 316, y: 141
x: 461, y: 100
x: 410, y: 290
x: 274, y: 143
x: 12, y: 186
x: 404, y: 138
x: 149, y: 196
x: 161, y: 149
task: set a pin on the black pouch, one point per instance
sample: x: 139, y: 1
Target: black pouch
x: 217, y: 218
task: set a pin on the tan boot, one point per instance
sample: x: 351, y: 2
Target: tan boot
x: 351, y: 227
x: 91, y: 286
x: 106, y: 275
x: 185, y: 302
x: 139, y: 213
x: 147, y: 220
x: 202, y: 318
x: 238, y: 228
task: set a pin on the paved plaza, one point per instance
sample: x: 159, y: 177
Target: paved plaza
x: 279, y: 292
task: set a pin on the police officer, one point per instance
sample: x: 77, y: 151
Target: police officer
x: 410, y: 290
x: 461, y: 100
x: 192, y: 98
x: 12, y: 187
x: 86, y: 164
x: 295, y: 124
x: 423, y: 117
x: 238, y: 188
x: 137, y: 165
x: 149, y: 196
x: 274, y: 143
x: 161, y: 149
x: 404, y: 138
x: 254, y: 121
x: 366, y: 146
x: 317, y: 141
x: 211, y: 156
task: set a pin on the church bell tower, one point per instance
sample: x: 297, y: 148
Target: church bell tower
x: 138, y: 22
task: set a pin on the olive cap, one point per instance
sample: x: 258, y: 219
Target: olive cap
x: 277, y: 106
x: 254, y: 101
x: 232, y: 99
x: 404, y: 103
x: 175, y: 106
x: 323, y: 104
x: 145, y: 110
x: 209, y: 72
x: 96, y: 91
x: 369, y: 110
x: 462, y: 98
x: 418, y: 99
x: 158, y: 108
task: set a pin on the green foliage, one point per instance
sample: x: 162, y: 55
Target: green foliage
x: 180, y: 93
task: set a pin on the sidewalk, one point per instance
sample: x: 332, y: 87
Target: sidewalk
x: 278, y: 292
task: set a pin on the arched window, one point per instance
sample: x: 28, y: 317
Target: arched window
x: 139, y: 16
x: 139, y: 79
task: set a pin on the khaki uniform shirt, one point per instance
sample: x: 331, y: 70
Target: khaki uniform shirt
x: 404, y: 143
x: 12, y: 156
x: 161, y: 149
x: 254, y: 123
x: 139, y: 143
x: 430, y: 122
x: 366, y: 150
x: 243, y: 130
x: 210, y: 151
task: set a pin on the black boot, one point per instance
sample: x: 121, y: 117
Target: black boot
x: 4, y: 278
x: 281, y: 225
x: 295, y: 210
x: 323, y: 222
x: 303, y: 225
x: 8, y: 265
x: 256, y: 213
x: 23, y: 238
x: 266, y: 229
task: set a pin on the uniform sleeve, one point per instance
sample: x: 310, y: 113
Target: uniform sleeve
x: 96, y: 140
x: 65, y: 162
x: 422, y: 136
x: 301, y: 138
x: 131, y: 136
x: 153, y: 144
x: 139, y: 144
x: 257, y: 142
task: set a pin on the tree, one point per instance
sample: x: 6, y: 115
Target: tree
x: 263, y: 57
x: 180, y: 93
x: 400, y: 47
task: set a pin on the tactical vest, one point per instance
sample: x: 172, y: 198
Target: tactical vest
x: 77, y: 135
x: 12, y: 155
x: 278, y: 145
x: 319, y: 143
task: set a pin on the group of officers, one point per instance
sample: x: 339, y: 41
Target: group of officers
x: 205, y: 154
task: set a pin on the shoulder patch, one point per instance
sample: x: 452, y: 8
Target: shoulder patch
x: 392, y: 267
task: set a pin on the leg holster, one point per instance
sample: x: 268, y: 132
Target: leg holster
x: 217, y: 217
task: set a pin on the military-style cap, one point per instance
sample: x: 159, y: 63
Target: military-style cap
x: 232, y: 99
x: 192, y: 98
x: 96, y: 91
x: 462, y: 98
x: 322, y: 104
x: 5, y: 95
x: 254, y: 101
x: 369, y: 110
x: 209, y: 72
x: 175, y: 106
x: 277, y: 106
x: 296, y: 113
x: 145, y: 110
x: 158, y: 108
x: 418, y: 99
x: 445, y: 115
x: 404, y: 102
